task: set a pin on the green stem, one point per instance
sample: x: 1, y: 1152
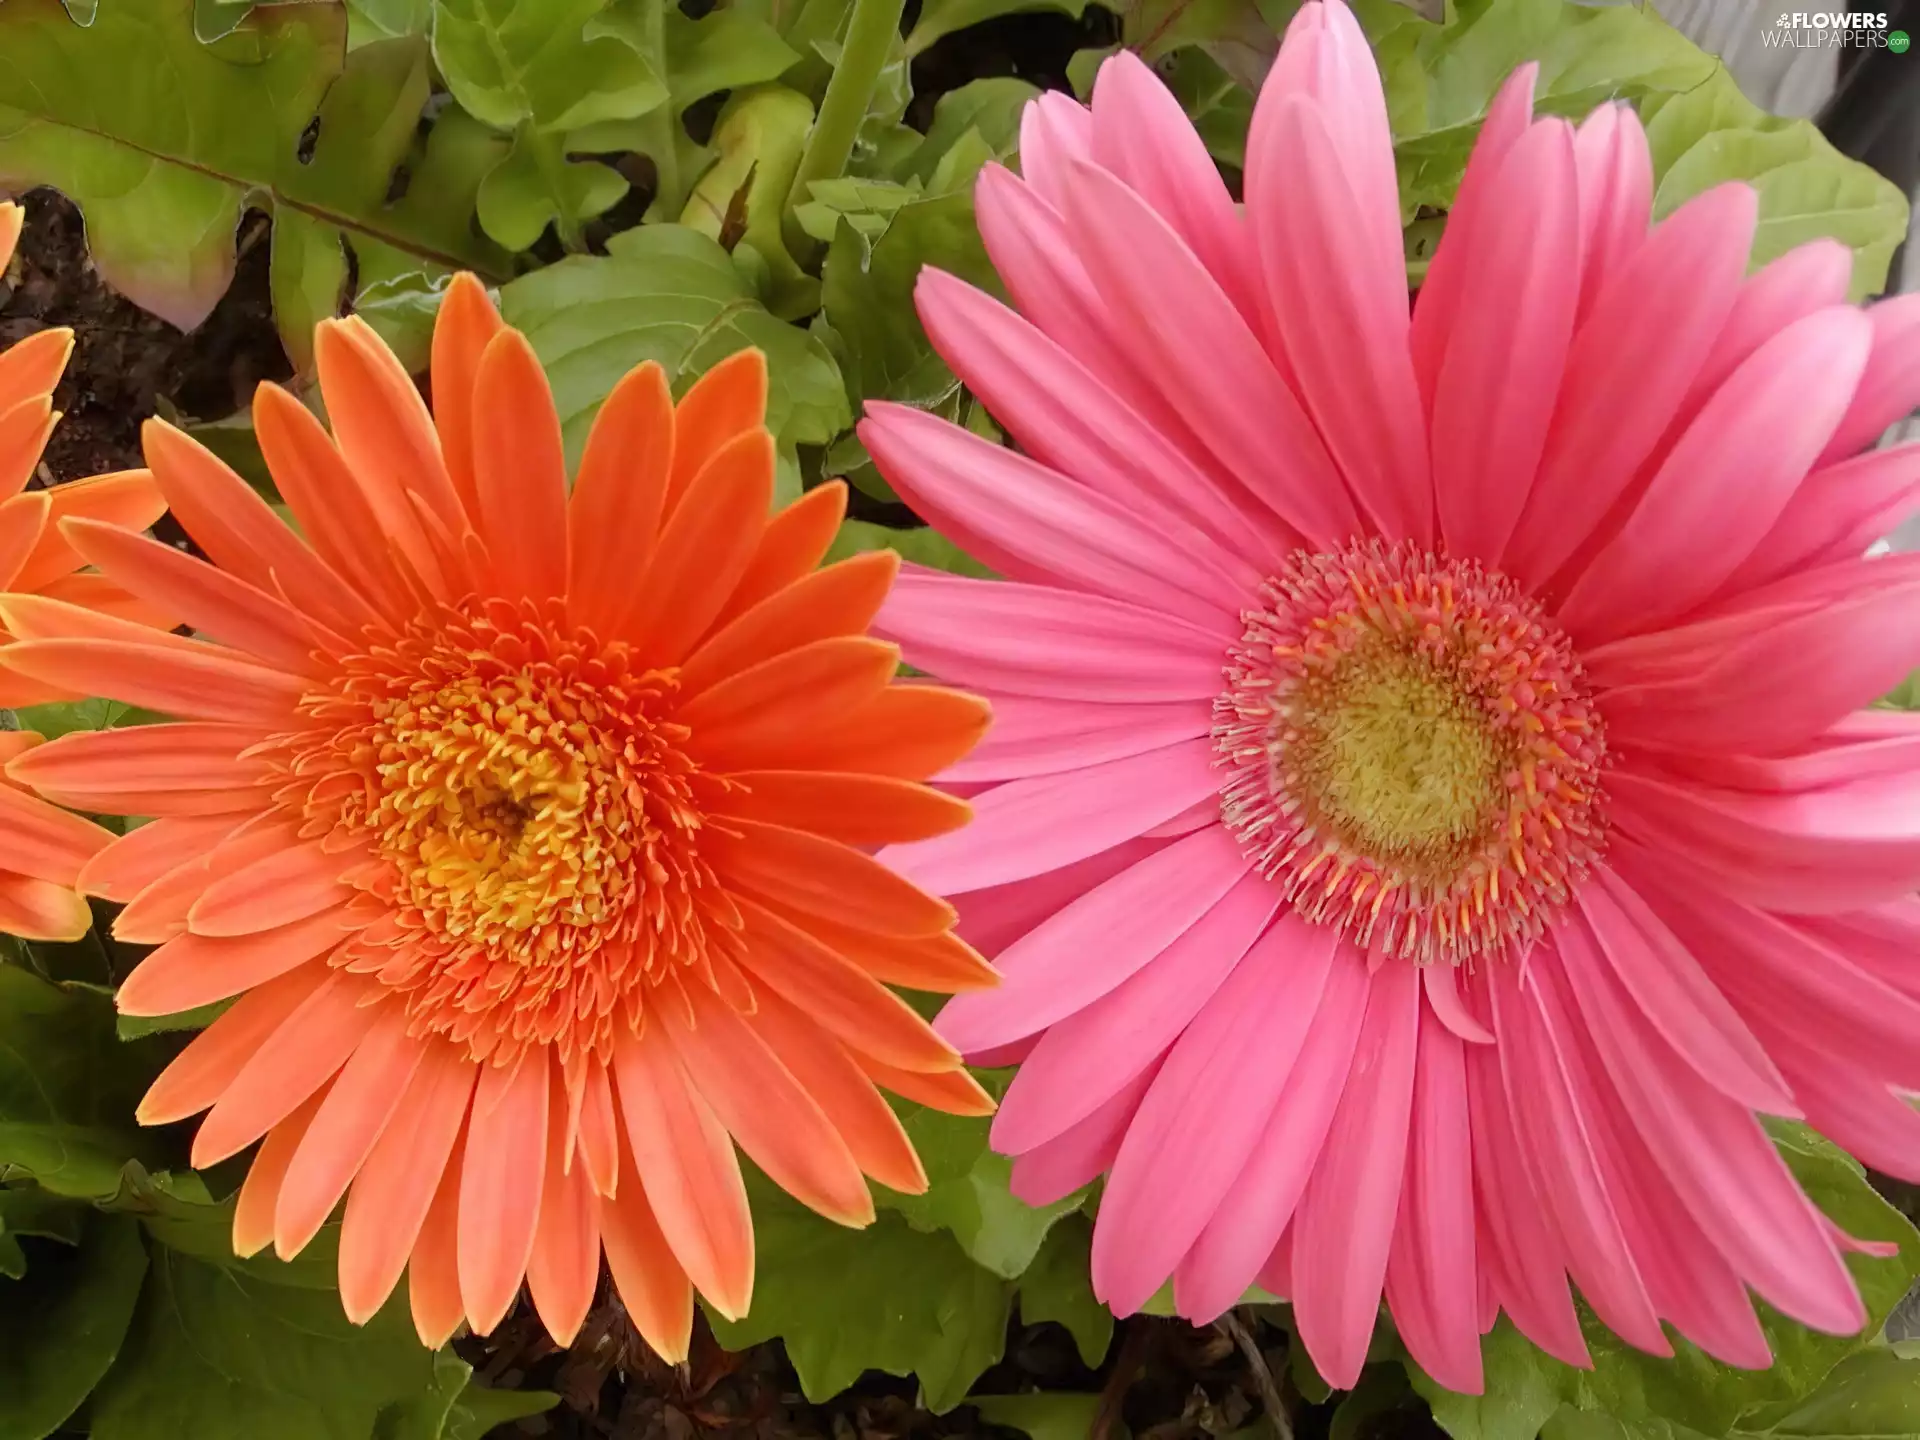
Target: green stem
x: 662, y: 124
x: 871, y: 33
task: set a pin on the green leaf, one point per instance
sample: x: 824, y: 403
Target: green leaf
x: 478, y: 1410
x: 456, y: 1407
x: 1807, y: 189
x: 1525, y: 1388
x: 968, y: 1192
x: 1875, y: 1393
x: 1378, y: 1406
x: 885, y: 1298
x: 1219, y: 106
x: 670, y: 294
x: 1058, y: 1286
x: 179, y: 1213
x: 1044, y: 1415
x: 371, y: 20
x: 28, y: 1212
x: 62, y: 1326
x: 163, y: 165
x: 991, y: 108
x: 67, y: 716
x: 68, y: 1088
x: 923, y: 545
x: 940, y: 18
x: 742, y: 199
x: 218, y: 1354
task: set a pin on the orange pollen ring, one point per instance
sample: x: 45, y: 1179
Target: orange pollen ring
x: 1412, y: 752
x: 516, y: 806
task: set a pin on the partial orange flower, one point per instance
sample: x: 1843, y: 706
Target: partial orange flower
x: 42, y: 848
x: 532, y: 830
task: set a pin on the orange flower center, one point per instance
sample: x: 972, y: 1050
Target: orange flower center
x: 531, y: 822
x: 1411, y: 751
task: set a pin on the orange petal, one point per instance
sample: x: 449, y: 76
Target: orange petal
x: 768, y: 1114
x: 12, y: 217
x: 240, y: 532
x: 96, y: 592
x: 686, y: 1165
x: 599, y: 1147
x: 855, y: 809
x: 520, y: 471
x: 564, y: 1267
x: 747, y: 720
x: 843, y: 999
x: 500, y: 1184
x: 37, y: 909
x: 130, y: 499
x: 911, y: 731
x: 189, y: 971
x: 390, y: 1197
x: 210, y: 600
x: 278, y: 889
x: 802, y: 872
x: 793, y: 543
x: 842, y: 1090
x: 22, y: 519
x: 614, y: 518
x: 387, y: 439
x: 191, y: 756
x: 703, y: 552
x: 332, y: 508
x: 200, y: 683
x: 33, y: 366
x: 646, y: 1273
x: 726, y: 402
x: 839, y: 600
x: 158, y: 910
x: 203, y: 1072
x: 368, y: 1090
x: 45, y: 842
x: 433, y: 1272
x: 297, y: 1059
x: 24, y: 428
x: 941, y: 963
x: 951, y: 1092
x: 466, y: 322
x: 142, y: 856
x: 260, y: 1191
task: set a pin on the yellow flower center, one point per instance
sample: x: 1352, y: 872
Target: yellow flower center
x: 1411, y: 752
x: 531, y: 827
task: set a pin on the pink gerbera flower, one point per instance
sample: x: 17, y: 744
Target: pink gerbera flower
x: 1430, y: 813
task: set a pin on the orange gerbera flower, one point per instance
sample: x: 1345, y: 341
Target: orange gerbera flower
x: 45, y: 847
x: 530, y: 829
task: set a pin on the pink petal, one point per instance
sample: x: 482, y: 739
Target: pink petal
x: 1721, y: 1163
x: 1028, y: 827
x: 1097, y: 941
x: 1873, y: 1123
x: 1561, y: 1156
x: 1208, y: 364
x: 1342, y: 320
x: 1520, y: 1243
x: 1054, y: 529
x: 1082, y: 1060
x: 1441, y: 293
x: 1616, y: 195
x: 1813, y: 853
x: 1510, y: 339
x: 1791, y: 676
x: 1806, y: 279
x: 1675, y: 996
x: 1206, y: 1111
x: 1836, y: 514
x: 1058, y: 644
x: 1144, y: 138
x: 1053, y: 1171
x: 1730, y: 475
x: 1442, y: 986
x: 1630, y: 367
x: 1864, y: 744
x: 1344, y: 1228
x: 991, y: 920
x: 1890, y: 390
x: 1055, y: 130
x: 1432, y: 1276
x: 1066, y: 417
x: 1031, y: 736
x: 1251, y: 1218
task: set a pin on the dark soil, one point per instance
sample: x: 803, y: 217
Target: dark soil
x: 126, y: 363
x: 1161, y: 1380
